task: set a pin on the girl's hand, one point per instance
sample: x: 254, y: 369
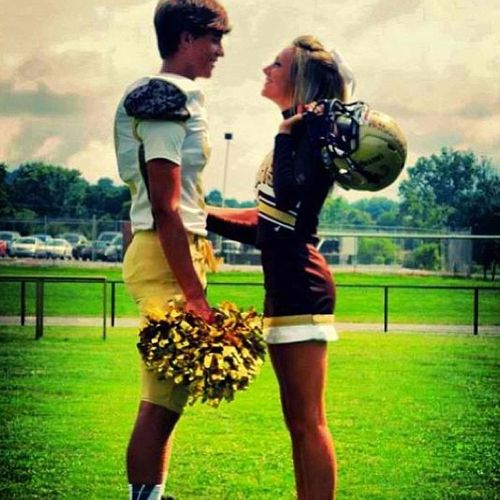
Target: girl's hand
x: 287, y: 125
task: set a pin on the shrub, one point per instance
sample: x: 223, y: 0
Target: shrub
x: 425, y: 256
x: 377, y: 251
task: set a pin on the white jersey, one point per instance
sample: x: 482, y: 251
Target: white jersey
x: 183, y: 143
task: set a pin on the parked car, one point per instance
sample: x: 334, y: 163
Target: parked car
x: 3, y: 248
x: 104, y: 239
x: 77, y: 242
x: 107, y: 236
x: 94, y: 250
x: 59, y: 248
x: 230, y: 251
x: 85, y: 251
x: 329, y: 248
x: 28, y: 246
x: 45, y: 239
x: 97, y: 248
x: 9, y: 237
x: 114, y: 250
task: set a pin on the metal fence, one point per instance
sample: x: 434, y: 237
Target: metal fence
x: 40, y: 282
x: 457, y: 253
x: 104, y: 283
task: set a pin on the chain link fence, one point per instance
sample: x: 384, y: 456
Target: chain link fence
x: 461, y: 254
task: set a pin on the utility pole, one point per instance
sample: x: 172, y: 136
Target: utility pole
x: 228, y: 136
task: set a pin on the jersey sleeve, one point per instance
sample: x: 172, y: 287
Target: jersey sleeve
x: 162, y: 139
x: 294, y: 169
x: 286, y: 189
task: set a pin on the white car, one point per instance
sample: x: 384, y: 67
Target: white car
x: 28, y: 246
x: 58, y: 248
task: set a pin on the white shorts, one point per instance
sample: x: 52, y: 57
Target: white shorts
x: 300, y: 328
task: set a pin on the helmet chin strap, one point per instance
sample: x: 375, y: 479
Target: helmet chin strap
x: 336, y: 126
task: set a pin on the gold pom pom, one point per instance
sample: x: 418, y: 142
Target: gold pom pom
x: 214, y: 360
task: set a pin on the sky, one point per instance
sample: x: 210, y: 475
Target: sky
x: 432, y: 65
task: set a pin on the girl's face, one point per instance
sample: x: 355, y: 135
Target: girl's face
x: 278, y: 85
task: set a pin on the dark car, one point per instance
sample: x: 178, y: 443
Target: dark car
x: 329, y: 247
x: 102, y: 243
x: 88, y: 251
x: 95, y: 250
x: 77, y: 241
x: 114, y: 250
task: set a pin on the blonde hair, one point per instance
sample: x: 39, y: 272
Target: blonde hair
x: 315, y: 73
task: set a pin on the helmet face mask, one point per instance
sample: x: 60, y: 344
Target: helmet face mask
x: 364, y: 149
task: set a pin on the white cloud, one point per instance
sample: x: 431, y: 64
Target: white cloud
x: 96, y: 160
x: 10, y: 128
x: 48, y: 150
x: 435, y: 66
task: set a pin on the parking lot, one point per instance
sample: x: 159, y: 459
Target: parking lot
x: 107, y: 247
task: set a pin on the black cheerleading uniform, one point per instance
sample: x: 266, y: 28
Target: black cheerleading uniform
x: 292, y: 186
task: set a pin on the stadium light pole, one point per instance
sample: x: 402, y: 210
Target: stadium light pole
x: 228, y: 136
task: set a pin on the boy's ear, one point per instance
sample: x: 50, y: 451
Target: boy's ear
x: 186, y: 37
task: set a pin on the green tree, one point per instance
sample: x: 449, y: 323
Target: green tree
x: 378, y: 208
x: 6, y: 209
x: 104, y: 198
x: 454, y: 189
x: 337, y: 212
x: 390, y: 218
x: 214, y: 198
x: 48, y: 190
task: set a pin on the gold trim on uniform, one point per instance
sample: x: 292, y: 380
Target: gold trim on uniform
x: 276, y: 214
x: 132, y: 188
x: 299, y: 319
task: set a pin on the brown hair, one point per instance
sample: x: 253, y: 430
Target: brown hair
x: 315, y: 73
x: 198, y: 17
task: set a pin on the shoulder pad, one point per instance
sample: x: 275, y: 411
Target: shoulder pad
x: 157, y: 100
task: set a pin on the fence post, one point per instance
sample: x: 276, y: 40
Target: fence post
x: 23, y: 303
x: 39, y: 309
x: 113, y: 294
x: 104, y: 302
x: 386, y: 308
x: 476, y: 311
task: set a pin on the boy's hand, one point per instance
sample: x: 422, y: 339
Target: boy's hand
x: 201, y: 308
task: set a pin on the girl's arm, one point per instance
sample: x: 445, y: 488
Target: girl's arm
x: 291, y: 162
x: 238, y: 224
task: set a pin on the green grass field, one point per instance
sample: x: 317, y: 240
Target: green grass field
x: 359, y: 305
x: 413, y: 417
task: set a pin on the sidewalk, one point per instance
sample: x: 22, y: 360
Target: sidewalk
x: 341, y: 327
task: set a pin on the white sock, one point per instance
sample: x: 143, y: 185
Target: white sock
x: 145, y: 491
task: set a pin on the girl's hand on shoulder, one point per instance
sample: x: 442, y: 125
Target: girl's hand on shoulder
x: 287, y: 125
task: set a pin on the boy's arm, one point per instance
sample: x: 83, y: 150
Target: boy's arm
x: 164, y: 179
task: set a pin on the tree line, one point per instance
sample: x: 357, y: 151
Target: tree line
x: 452, y: 190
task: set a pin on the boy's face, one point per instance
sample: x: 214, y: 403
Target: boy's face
x: 203, y: 53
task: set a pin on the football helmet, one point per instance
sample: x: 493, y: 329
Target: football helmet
x: 364, y: 149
